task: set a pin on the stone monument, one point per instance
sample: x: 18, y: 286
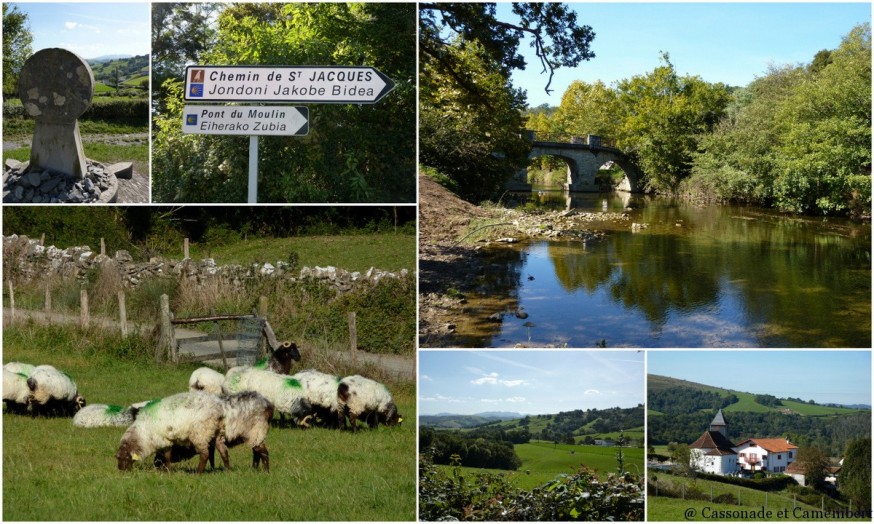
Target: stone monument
x: 56, y: 86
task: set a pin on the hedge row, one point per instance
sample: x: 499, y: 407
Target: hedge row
x: 101, y: 109
x: 777, y: 483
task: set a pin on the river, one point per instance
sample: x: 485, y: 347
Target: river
x: 688, y: 276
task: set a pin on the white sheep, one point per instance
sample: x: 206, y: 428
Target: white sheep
x: 286, y: 393
x: 247, y: 420
x: 361, y: 397
x: 15, y: 391
x: 189, y: 420
x: 321, y: 390
x: 206, y: 379
x: 104, y: 415
x: 53, y: 392
x: 20, y: 368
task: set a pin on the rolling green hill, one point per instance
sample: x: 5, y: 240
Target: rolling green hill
x: 126, y: 68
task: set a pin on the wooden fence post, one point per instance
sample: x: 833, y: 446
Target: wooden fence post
x: 122, y: 313
x: 102, y: 246
x: 262, y: 306
x: 185, y: 247
x: 84, y: 314
x: 218, y: 334
x: 11, y: 301
x: 353, y: 333
x: 168, y: 341
x: 42, y: 239
x: 48, y: 301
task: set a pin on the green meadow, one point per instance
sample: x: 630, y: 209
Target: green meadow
x: 53, y: 471
x: 542, y: 461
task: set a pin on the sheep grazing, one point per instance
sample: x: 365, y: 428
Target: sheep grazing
x: 104, y: 415
x: 15, y: 391
x: 286, y: 393
x: 247, y: 420
x: 193, y: 419
x: 321, y: 390
x: 206, y: 379
x: 280, y: 360
x: 53, y: 392
x: 367, y: 399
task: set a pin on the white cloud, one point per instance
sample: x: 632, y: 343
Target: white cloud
x: 492, y: 378
x: 426, y: 378
x: 76, y: 25
x: 592, y: 392
x: 511, y: 400
x: 440, y: 398
x: 516, y: 399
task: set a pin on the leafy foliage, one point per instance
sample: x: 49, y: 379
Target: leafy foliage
x: 855, y: 475
x: 354, y: 153
x: 16, y: 46
x: 798, y: 138
x: 489, y: 497
x: 478, y: 450
x: 681, y: 400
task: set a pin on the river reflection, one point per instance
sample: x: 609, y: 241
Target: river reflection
x: 715, y: 276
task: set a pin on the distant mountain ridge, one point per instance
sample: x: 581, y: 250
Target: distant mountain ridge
x: 107, y: 58
x: 456, y: 421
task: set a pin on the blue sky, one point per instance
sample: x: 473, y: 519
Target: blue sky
x: 528, y: 381
x: 720, y: 42
x: 90, y: 29
x: 840, y: 377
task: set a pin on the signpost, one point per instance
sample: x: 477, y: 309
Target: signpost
x: 289, y: 84
x: 293, y: 84
x: 246, y: 120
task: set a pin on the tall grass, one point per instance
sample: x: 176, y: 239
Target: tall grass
x: 54, y: 471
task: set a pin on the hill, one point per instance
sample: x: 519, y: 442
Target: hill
x: 681, y: 410
x: 108, y: 70
x: 453, y: 421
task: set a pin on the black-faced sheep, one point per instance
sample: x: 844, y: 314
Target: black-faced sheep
x: 192, y: 419
x: 368, y: 400
x: 321, y: 390
x: 286, y: 393
x: 53, y: 392
x: 105, y: 415
x: 280, y: 360
x: 206, y: 379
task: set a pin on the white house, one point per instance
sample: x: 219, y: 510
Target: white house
x: 766, y: 454
x: 713, y: 452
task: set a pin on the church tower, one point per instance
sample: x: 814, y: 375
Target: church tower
x: 719, y: 424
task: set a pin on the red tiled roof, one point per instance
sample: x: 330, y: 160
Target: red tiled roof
x: 774, y: 445
x: 712, y: 440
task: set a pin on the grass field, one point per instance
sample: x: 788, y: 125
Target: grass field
x: 388, y: 252
x: 542, y: 461
x: 672, y: 509
x: 677, y: 510
x: 54, y: 471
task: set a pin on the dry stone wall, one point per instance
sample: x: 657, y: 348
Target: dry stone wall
x: 29, y: 260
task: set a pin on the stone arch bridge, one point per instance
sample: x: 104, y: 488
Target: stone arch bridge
x: 584, y: 156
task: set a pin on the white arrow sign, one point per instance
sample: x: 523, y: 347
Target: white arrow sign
x: 246, y: 120
x: 296, y: 84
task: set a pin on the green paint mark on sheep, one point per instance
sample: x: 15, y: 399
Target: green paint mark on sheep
x: 261, y: 364
x: 293, y: 383
x: 150, y: 405
x: 112, y: 410
x: 23, y: 375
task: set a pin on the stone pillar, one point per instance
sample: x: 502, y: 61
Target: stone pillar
x: 56, y: 86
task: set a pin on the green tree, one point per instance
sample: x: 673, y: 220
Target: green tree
x: 470, y: 114
x: 855, y: 476
x: 681, y: 458
x: 588, y: 109
x: 16, y: 46
x: 662, y: 117
x: 813, y: 463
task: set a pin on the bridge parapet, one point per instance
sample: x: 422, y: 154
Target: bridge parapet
x: 564, y: 138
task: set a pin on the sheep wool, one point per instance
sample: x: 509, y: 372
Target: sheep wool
x: 247, y: 420
x: 20, y: 368
x: 15, y: 391
x: 104, y: 415
x: 192, y: 419
x: 206, y: 379
x: 53, y: 392
x: 285, y: 392
x: 361, y: 397
x: 321, y: 390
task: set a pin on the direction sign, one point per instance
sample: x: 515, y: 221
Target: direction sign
x: 294, y: 84
x: 246, y: 120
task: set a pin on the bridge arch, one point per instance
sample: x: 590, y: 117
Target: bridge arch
x: 584, y: 157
